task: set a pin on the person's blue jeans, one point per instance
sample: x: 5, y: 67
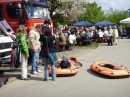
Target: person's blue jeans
x: 35, y: 59
x: 46, y: 73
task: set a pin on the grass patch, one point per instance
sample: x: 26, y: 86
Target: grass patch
x: 93, y: 45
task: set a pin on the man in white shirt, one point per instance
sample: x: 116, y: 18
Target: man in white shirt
x: 100, y: 33
x: 72, y: 39
x: 110, y: 34
x: 105, y: 32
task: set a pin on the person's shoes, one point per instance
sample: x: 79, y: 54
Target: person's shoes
x: 34, y: 72
x: 25, y: 79
x: 53, y: 79
x: 28, y: 75
x: 39, y: 71
x: 44, y: 79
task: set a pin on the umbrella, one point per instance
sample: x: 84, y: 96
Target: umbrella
x: 83, y: 23
x: 105, y: 23
x: 127, y: 20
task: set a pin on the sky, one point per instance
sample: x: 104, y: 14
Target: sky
x: 115, y: 4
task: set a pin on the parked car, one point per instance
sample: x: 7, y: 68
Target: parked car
x: 6, y: 42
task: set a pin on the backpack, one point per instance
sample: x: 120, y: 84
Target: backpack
x: 18, y: 48
x: 16, y: 43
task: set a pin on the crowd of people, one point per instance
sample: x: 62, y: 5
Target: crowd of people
x: 40, y: 39
x: 109, y: 34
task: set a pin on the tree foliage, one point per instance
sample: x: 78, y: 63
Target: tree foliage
x: 116, y: 15
x: 74, y: 7
x: 54, y: 4
x: 59, y: 19
x: 88, y: 12
x: 93, y: 13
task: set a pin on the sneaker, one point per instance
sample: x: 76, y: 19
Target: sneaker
x: 44, y: 79
x: 39, y: 71
x: 34, y: 72
x: 28, y: 75
x: 25, y: 79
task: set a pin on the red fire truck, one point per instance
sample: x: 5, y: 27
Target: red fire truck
x: 16, y: 12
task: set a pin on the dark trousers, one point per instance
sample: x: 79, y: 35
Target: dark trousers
x: 110, y: 41
x: 79, y: 40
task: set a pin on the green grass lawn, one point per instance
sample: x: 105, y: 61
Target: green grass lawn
x: 93, y: 45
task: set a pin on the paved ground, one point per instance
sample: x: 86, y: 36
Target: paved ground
x: 14, y: 74
x: 84, y: 84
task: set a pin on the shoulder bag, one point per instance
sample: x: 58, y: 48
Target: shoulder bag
x: 51, y: 55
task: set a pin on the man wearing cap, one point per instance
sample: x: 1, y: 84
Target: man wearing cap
x: 46, y: 26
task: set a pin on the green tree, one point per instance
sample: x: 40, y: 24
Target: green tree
x: 54, y: 4
x: 116, y: 15
x: 59, y: 19
x: 60, y: 6
x: 93, y: 13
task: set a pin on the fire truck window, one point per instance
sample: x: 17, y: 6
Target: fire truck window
x: 11, y: 12
x: 2, y: 13
x: 37, y: 12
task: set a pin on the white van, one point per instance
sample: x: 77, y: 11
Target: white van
x: 6, y: 42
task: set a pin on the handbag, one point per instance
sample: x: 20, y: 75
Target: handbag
x: 51, y: 55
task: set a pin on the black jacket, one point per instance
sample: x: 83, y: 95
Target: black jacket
x: 50, y: 41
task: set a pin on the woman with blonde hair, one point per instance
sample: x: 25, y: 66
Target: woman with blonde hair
x: 21, y: 33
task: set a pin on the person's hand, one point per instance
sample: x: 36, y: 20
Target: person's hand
x: 27, y: 56
x: 34, y: 49
x: 71, y: 69
x: 27, y: 40
x: 40, y: 48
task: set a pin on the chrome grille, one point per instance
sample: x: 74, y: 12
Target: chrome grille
x: 3, y: 54
x: 5, y: 45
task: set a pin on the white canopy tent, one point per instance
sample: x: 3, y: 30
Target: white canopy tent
x: 127, y: 20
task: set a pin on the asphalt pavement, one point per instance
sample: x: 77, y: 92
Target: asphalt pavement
x: 84, y: 84
x: 16, y: 72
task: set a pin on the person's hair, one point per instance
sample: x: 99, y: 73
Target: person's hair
x: 72, y: 32
x: 90, y: 30
x: 25, y: 25
x: 47, y: 21
x: 38, y: 26
x: 21, y: 29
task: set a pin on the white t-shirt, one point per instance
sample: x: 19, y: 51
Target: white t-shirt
x: 100, y: 34
x: 106, y: 33
x: 110, y: 32
x: 72, y: 38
